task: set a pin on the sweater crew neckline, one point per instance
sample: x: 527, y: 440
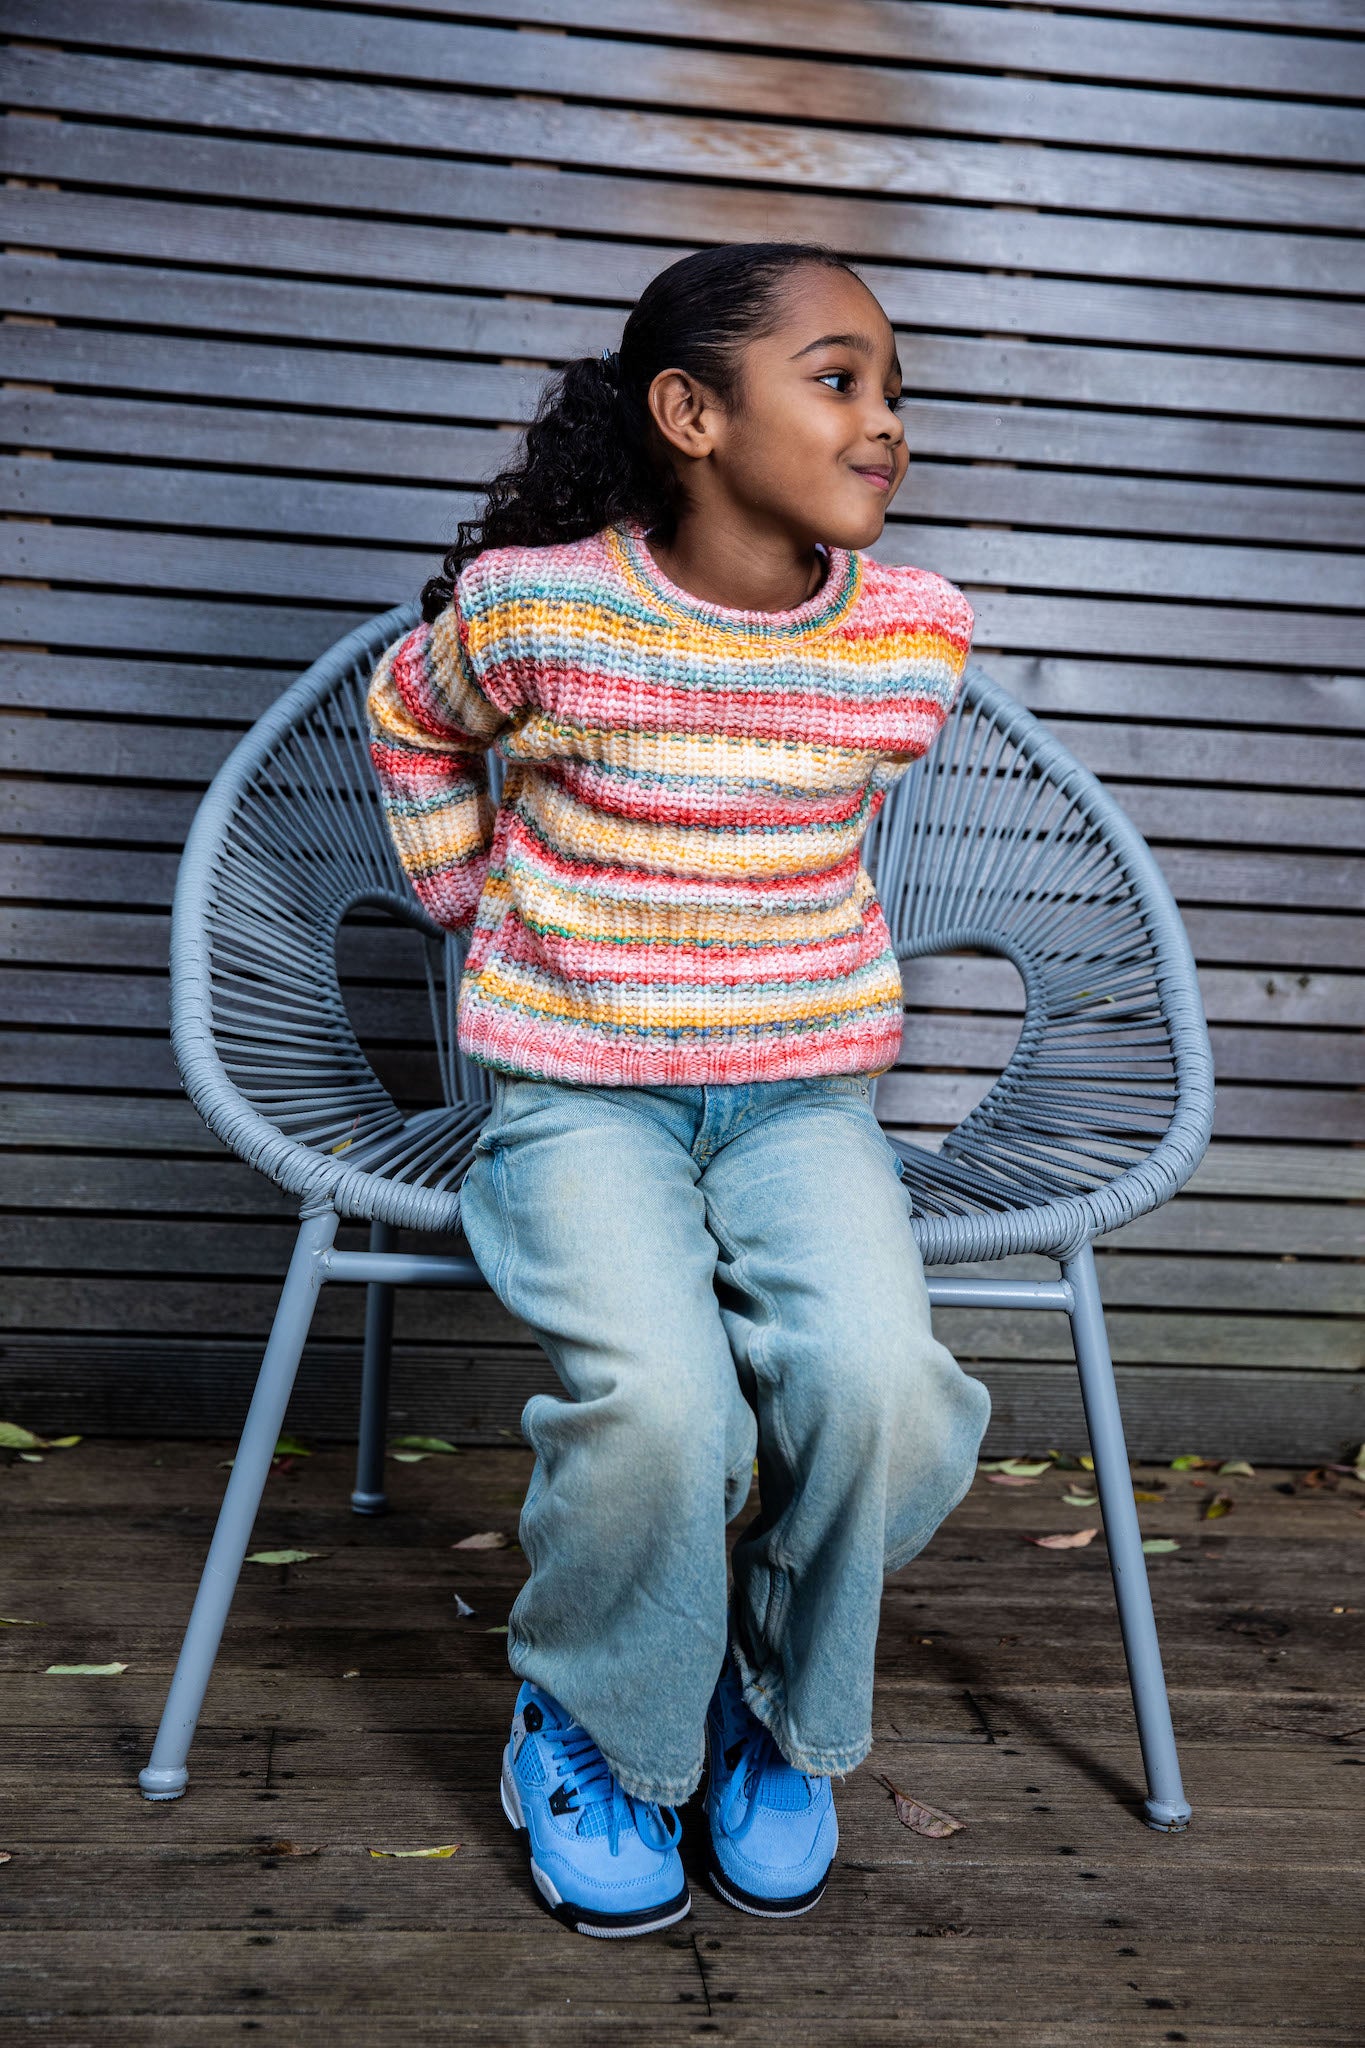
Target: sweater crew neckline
x: 831, y: 603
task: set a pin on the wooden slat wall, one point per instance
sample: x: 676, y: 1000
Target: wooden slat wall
x: 284, y: 280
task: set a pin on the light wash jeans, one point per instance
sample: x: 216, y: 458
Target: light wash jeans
x: 715, y: 1271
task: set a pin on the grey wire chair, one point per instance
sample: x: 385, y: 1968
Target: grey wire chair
x: 997, y: 841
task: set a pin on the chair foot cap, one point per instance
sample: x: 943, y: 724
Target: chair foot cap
x: 369, y: 1503
x: 163, y: 1784
x: 1167, y: 1818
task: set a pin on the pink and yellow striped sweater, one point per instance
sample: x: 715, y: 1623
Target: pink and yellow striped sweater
x: 670, y: 889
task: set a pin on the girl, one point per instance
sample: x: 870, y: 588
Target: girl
x: 681, y: 978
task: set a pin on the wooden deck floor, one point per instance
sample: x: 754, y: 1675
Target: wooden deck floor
x: 354, y: 1709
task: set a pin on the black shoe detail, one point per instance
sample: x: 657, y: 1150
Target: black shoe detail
x: 766, y: 1909
x: 532, y: 1720
x: 588, y: 1920
x: 561, y: 1799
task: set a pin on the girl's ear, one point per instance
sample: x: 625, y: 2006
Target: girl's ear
x: 683, y: 412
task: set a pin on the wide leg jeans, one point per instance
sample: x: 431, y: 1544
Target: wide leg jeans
x: 715, y: 1273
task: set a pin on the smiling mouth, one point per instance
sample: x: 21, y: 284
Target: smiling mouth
x: 880, y: 477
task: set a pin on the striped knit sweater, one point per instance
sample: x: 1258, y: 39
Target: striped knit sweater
x: 670, y: 889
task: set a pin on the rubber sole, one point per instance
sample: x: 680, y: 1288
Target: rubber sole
x: 764, y: 1909
x: 587, y: 1919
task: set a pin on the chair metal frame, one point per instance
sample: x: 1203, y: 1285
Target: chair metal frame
x: 997, y: 841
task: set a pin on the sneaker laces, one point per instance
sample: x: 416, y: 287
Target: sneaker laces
x: 760, y: 1755
x: 589, y: 1778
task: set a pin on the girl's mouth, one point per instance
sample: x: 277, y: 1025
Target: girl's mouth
x: 881, y: 478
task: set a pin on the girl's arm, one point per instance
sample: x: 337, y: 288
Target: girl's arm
x: 939, y: 620
x: 429, y: 726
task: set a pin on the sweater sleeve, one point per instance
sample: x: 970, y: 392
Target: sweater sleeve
x: 430, y: 722
x: 939, y: 622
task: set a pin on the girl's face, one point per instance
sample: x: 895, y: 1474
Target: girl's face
x: 816, y: 449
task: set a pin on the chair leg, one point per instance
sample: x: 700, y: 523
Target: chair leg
x: 1166, y: 1805
x: 369, y: 1497
x: 166, y: 1776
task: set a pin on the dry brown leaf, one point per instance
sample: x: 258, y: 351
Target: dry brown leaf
x: 284, y: 1849
x: 1221, y: 1504
x: 486, y: 1539
x: 1008, y: 1479
x: 1073, y: 1541
x: 922, y: 1819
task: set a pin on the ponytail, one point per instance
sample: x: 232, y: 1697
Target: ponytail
x: 592, y: 456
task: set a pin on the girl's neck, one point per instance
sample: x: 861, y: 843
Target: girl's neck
x: 737, y: 570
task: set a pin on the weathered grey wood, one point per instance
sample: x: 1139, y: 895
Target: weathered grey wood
x: 1251, y: 452
x: 218, y: 1251
x: 363, y: 182
x: 310, y: 507
x: 1001, y: 368
x: 770, y: 85
x: 979, y: 560
x: 88, y: 224
x: 947, y: 35
x: 541, y: 128
x: 368, y: 581
x: 194, y: 1386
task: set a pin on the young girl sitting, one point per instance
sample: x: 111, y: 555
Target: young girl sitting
x: 681, y: 978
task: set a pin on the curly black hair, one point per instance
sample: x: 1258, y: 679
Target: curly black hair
x: 592, y: 456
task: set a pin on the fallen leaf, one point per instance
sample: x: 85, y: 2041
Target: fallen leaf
x: 1087, y: 1461
x: 1079, y: 1500
x: 1025, y: 1468
x: 1322, y: 1476
x: 1072, y: 1541
x: 31, y: 1457
x: 426, y: 1443
x: 1221, y: 1504
x: 290, y: 1447
x: 1236, y: 1467
x: 1139, y: 1494
x: 6, y: 1856
x: 13, y: 1621
x: 1009, y: 1479
x: 922, y: 1819
x: 486, y: 1539
x: 283, y: 1849
x: 1191, y: 1463
x: 449, y: 1850
x: 285, y: 1556
x: 350, y: 1674
x: 462, y: 1607
x: 409, y: 1457
x: 1154, y: 1545
x: 15, y: 1438
x: 496, y: 1631
x: 84, y: 1670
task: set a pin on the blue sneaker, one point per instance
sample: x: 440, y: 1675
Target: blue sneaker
x: 773, y: 1828
x: 604, y: 1863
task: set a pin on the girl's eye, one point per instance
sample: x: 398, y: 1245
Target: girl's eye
x: 901, y: 398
